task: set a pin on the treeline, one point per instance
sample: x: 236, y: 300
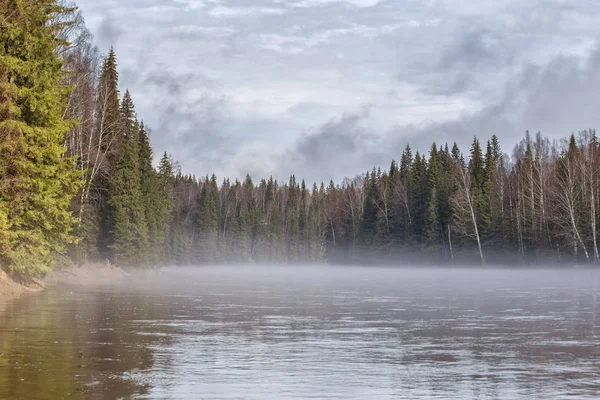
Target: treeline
x: 77, y: 182
x: 240, y: 222
x: 536, y: 206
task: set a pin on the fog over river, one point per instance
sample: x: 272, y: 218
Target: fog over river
x: 308, y: 332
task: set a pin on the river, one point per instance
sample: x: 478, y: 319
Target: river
x: 308, y: 332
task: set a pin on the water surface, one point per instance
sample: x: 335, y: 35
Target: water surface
x: 313, y: 332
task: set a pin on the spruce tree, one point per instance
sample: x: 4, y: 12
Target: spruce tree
x: 248, y: 224
x: 316, y: 244
x: 36, y: 181
x: 484, y: 203
x: 164, y: 206
x: 432, y: 229
x: 151, y: 201
x: 275, y: 234
x: 456, y: 154
x: 303, y: 223
x: 368, y: 226
x: 207, y: 222
x: 108, y: 102
x: 110, y: 133
x: 130, y: 230
x: 476, y: 165
x: 292, y: 223
x: 432, y: 233
x: 481, y: 187
x: 402, y: 197
x: 420, y: 197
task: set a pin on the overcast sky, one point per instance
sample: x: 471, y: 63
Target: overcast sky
x: 329, y: 88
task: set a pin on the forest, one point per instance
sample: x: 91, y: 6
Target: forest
x: 79, y: 183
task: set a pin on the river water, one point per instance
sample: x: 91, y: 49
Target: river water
x: 312, y: 332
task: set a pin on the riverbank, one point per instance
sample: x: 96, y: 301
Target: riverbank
x: 10, y: 288
x: 88, y: 274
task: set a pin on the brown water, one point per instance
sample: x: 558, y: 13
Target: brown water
x: 297, y: 333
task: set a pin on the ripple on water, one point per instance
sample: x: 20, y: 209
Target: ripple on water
x: 372, y: 334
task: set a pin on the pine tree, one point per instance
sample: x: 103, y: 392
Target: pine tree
x: 36, y: 181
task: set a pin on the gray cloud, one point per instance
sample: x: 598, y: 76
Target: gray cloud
x: 558, y: 99
x: 273, y: 86
x: 192, y: 125
x: 108, y: 33
x: 479, y: 54
x: 336, y: 149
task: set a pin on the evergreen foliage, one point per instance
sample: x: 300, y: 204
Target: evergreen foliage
x: 130, y: 229
x: 109, y: 129
x: 37, y: 180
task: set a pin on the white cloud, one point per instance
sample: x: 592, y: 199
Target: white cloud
x: 314, y: 3
x: 295, y: 43
x: 225, y: 12
x: 214, y: 31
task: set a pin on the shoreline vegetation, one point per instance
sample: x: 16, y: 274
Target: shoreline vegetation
x: 79, y: 183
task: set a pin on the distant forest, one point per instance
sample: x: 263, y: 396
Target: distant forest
x: 77, y: 182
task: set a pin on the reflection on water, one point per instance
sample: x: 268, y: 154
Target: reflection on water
x: 327, y: 333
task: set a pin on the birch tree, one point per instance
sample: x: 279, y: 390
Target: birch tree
x: 463, y: 204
